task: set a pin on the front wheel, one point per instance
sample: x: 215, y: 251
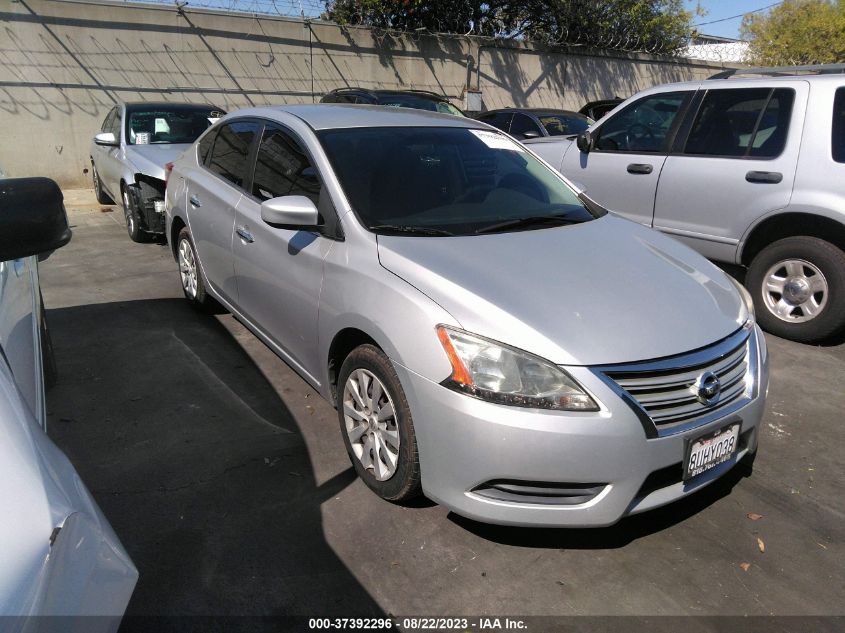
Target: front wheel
x: 130, y: 211
x: 798, y: 286
x: 376, y: 424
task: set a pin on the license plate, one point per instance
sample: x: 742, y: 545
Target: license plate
x: 711, y: 450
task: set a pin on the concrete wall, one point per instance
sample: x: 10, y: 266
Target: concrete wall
x: 64, y: 63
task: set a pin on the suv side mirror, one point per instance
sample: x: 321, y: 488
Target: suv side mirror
x: 32, y: 218
x: 584, y: 141
x: 530, y: 134
x: 105, y: 138
x: 289, y: 212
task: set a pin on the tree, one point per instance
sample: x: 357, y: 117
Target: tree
x: 651, y: 25
x: 797, y: 32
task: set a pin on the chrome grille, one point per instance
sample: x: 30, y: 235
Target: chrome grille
x: 666, y: 390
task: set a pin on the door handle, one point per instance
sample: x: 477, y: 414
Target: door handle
x: 244, y: 234
x: 640, y: 168
x: 195, y: 201
x: 770, y: 177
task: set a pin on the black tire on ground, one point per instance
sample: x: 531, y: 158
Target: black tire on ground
x: 404, y: 484
x: 199, y: 298
x: 102, y: 196
x: 131, y: 201
x: 828, y: 259
x: 48, y: 356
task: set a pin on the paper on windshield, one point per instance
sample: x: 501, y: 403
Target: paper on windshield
x: 494, y: 140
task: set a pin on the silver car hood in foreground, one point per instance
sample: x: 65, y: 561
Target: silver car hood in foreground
x: 605, y: 291
x: 151, y: 159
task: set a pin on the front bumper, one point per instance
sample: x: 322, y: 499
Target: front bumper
x: 465, y: 443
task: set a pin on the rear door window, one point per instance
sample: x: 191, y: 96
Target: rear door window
x: 231, y: 147
x: 839, y: 126
x: 743, y: 122
x: 501, y: 120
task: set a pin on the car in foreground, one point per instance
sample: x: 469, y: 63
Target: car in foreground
x: 524, y: 123
x: 747, y: 170
x: 59, y: 556
x: 489, y: 338
x: 415, y: 99
x: 130, y: 152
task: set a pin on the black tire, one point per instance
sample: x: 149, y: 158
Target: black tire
x: 404, y: 484
x: 131, y: 201
x: 824, y: 256
x: 102, y: 196
x: 199, y: 298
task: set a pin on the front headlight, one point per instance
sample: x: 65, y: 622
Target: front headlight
x: 746, y: 298
x: 505, y: 375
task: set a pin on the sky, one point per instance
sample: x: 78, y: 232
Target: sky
x: 720, y: 9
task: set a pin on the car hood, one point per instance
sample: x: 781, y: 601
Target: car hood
x: 151, y: 159
x: 605, y: 291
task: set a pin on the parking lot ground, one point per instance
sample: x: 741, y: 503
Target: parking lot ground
x: 225, y: 477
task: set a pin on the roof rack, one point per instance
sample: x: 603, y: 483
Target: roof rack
x: 783, y: 71
x: 372, y: 90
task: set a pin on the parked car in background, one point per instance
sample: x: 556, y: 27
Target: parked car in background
x: 59, y: 555
x: 416, y: 99
x: 129, y: 153
x: 488, y: 337
x: 747, y: 170
x: 523, y: 123
x: 597, y: 109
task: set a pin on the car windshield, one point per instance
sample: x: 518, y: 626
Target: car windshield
x: 164, y: 125
x: 563, y: 125
x: 418, y: 103
x: 447, y: 181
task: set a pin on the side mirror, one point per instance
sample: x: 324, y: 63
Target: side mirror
x: 584, y: 141
x: 105, y: 138
x: 290, y: 212
x: 32, y: 218
x: 530, y: 134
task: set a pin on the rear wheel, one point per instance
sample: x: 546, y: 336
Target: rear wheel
x: 193, y: 285
x: 102, y: 196
x: 798, y: 286
x: 131, y: 196
x: 376, y: 424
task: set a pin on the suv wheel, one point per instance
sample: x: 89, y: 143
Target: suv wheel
x: 798, y: 286
x: 376, y: 424
x: 102, y: 196
x: 131, y: 195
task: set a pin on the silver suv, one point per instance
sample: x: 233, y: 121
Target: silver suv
x: 488, y: 337
x: 746, y: 170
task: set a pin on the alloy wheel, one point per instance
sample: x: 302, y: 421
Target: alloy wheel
x: 794, y: 290
x: 370, y: 419
x: 188, y: 268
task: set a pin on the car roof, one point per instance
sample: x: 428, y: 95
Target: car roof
x: 422, y: 94
x: 329, y: 116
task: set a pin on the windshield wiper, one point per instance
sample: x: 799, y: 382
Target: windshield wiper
x: 533, y: 220
x: 410, y: 230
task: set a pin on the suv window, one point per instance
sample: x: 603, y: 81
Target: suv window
x: 501, y: 120
x: 522, y: 124
x: 205, y: 146
x: 741, y: 122
x: 839, y: 126
x: 283, y: 169
x: 228, y: 156
x: 642, y: 126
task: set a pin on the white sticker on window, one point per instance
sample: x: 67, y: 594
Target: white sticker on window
x: 494, y: 140
x: 142, y: 138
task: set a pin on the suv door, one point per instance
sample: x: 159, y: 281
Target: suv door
x: 622, y: 169
x: 213, y: 190
x: 735, y: 163
x: 279, y: 271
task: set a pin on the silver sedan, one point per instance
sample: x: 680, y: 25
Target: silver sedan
x: 490, y: 338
